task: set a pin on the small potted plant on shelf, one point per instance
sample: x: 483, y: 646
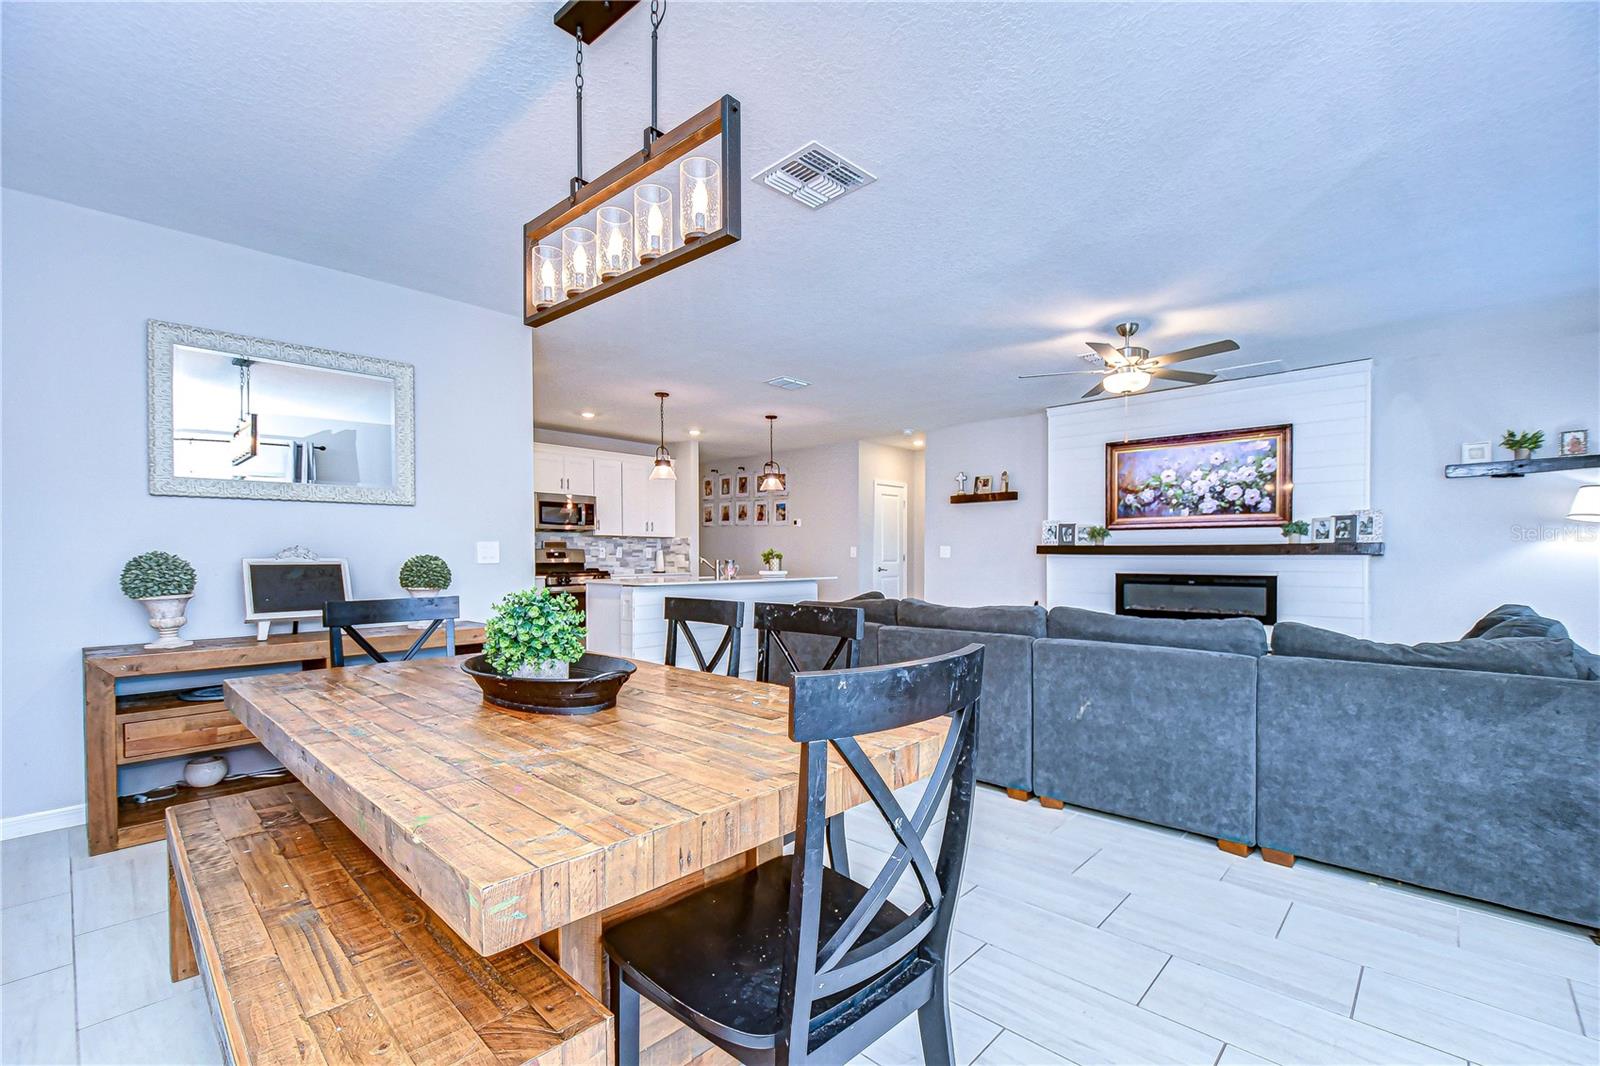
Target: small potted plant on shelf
x: 534, y: 633
x: 1293, y: 531
x: 773, y: 559
x: 423, y: 576
x: 1522, y: 445
x: 163, y: 583
x: 1097, y: 535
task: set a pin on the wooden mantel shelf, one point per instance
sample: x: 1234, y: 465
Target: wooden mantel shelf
x: 982, y: 497
x: 1211, y: 549
x: 1519, y: 467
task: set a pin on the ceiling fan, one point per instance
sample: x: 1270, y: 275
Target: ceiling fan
x: 1130, y: 368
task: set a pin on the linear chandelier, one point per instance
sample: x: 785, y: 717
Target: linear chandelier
x: 640, y: 228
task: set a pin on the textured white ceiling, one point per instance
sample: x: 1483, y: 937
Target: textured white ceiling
x: 1293, y: 176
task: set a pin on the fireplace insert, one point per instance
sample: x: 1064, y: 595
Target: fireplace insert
x: 1199, y: 596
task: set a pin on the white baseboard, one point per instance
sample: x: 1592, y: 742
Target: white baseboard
x: 21, y: 825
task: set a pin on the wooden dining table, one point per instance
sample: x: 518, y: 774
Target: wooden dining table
x: 517, y: 827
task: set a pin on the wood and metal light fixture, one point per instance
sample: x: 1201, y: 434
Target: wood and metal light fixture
x: 637, y: 231
x: 772, y: 478
x: 662, y: 470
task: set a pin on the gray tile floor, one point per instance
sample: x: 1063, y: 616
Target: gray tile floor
x: 1081, y: 938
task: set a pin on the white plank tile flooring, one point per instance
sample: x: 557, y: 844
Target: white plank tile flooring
x: 1081, y: 938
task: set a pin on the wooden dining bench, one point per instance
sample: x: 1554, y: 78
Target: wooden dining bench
x: 313, y: 952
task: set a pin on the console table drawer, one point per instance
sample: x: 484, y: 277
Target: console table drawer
x: 154, y: 738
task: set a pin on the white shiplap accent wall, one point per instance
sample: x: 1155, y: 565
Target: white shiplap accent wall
x: 1330, y: 410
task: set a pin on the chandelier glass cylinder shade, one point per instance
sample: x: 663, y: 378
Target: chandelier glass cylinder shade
x: 698, y: 197
x: 772, y: 477
x: 652, y: 215
x: 579, y: 256
x: 661, y: 469
x: 549, y: 281
x: 614, y: 235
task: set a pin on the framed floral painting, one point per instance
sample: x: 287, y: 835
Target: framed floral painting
x: 1239, y: 477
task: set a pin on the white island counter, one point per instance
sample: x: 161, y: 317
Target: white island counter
x: 627, y: 615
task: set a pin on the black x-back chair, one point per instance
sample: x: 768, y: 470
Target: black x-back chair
x: 342, y: 616
x: 793, y: 962
x: 845, y: 624
x: 682, y: 611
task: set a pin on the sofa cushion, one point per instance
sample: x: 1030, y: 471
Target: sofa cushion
x: 1502, y: 613
x: 1020, y: 621
x: 873, y: 605
x: 1525, y: 626
x: 1533, y: 656
x: 1237, y: 636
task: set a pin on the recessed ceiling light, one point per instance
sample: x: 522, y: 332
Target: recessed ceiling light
x: 694, y: 433
x: 788, y: 383
x: 585, y: 414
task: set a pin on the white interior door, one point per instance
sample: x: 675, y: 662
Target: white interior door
x: 889, y: 538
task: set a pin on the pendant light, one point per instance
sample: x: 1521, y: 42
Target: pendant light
x: 662, y: 470
x: 772, y: 478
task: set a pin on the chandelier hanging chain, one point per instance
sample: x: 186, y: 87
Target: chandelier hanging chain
x: 771, y: 451
x: 663, y: 418
x: 577, y: 82
x: 658, y: 13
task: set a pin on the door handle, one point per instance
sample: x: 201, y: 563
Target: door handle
x: 883, y: 569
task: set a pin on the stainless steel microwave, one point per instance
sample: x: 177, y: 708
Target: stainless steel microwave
x: 559, y: 512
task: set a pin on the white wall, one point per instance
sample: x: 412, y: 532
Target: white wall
x: 992, y: 559
x: 78, y: 288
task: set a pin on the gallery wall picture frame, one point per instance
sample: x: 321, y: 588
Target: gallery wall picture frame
x: 1322, y: 530
x: 1214, y: 480
x: 1574, y: 442
x: 1344, y: 529
x: 724, y: 486
x: 1369, y: 527
x: 741, y: 484
x: 708, y: 486
x: 780, y: 512
x: 1478, y: 451
x: 725, y: 513
x: 708, y: 514
x: 741, y: 512
x: 1047, y: 536
x: 761, y: 514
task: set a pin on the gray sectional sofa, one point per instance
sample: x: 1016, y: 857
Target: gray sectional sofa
x: 1472, y: 767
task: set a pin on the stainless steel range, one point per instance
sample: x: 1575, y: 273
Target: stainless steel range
x: 566, y: 569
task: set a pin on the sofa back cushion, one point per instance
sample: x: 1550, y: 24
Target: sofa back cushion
x: 1236, y: 636
x: 1019, y: 621
x: 872, y: 604
x: 1533, y: 656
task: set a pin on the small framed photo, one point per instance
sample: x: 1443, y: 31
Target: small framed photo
x: 1322, y: 530
x: 780, y: 512
x: 708, y: 486
x: 762, y: 514
x: 741, y: 512
x: 1369, y: 527
x: 724, y: 514
x: 1477, y: 452
x: 1048, y: 536
x: 741, y: 484
x: 708, y: 514
x: 982, y: 483
x: 724, y: 486
x: 1574, y: 442
x: 1080, y: 534
x: 1066, y: 532
x: 1344, y: 529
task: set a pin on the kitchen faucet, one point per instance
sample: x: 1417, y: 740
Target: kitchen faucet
x: 718, y: 568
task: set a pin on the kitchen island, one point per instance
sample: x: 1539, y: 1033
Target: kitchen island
x: 627, y: 616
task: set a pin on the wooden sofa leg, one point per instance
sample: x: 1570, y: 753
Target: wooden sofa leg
x: 1276, y: 857
x: 1053, y: 804
x: 179, y: 946
x: 1019, y: 794
x: 1233, y: 847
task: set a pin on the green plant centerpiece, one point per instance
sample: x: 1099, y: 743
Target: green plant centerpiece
x: 534, y: 633
x: 424, y: 573
x: 1097, y: 535
x: 163, y: 582
x: 1293, y: 531
x: 772, y: 559
x: 1522, y: 445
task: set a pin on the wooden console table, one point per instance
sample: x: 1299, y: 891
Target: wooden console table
x: 141, y: 727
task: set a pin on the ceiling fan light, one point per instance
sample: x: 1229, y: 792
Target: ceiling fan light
x: 1125, y: 381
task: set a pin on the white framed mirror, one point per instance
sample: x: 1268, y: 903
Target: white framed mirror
x: 249, y: 418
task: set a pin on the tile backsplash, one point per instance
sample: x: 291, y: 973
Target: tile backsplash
x: 624, y: 555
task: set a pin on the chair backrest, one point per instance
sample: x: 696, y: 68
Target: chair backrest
x: 682, y: 610
x: 342, y: 616
x: 773, y: 620
x: 831, y: 710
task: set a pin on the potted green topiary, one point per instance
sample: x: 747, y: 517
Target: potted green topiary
x: 1293, y: 531
x: 422, y: 576
x: 1522, y: 445
x: 163, y: 583
x: 534, y: 633
x: 1097, y: 535
x: 773, y: 560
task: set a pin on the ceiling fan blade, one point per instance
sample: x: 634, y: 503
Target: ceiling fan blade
x: 1198, y: 352
x: 1096, y: 391
x: 1105, y: 351
x: 1058, y: 374
x: 1183, y: 376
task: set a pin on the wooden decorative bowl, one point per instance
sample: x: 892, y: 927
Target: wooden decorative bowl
x: 592, y: 686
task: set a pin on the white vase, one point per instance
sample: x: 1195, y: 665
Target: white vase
x: 1293, y: 538
x: 422, y: 594
x: 167, y: 615
x: 552, y: 670
x: 205, y: 771
x: 1522, y: 453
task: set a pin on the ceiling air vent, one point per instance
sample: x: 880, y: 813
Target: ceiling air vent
x: 788, y: 383
x: 815, y: 176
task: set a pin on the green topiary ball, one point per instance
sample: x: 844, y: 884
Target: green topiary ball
x: 157, y: 574
x: 424, y: 572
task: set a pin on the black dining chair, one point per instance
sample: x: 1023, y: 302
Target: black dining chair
x: 793, y: 962
x: 342, y: 616
x: 682, y: 611
x: 815, y: 623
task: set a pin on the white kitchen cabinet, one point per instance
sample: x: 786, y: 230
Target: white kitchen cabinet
x: 661, y: 508
x: 635, y: 497
x: 627, y: 502
x: 608, y: 521
x: 549, y: 473
x: 561, y: 470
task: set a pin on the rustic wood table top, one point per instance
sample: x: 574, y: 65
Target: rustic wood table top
x: 511, y: 825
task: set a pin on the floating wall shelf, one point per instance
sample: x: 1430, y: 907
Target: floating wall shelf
x: 1211, y: 549
x: 982, y: 497
x: 1519, y: 467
